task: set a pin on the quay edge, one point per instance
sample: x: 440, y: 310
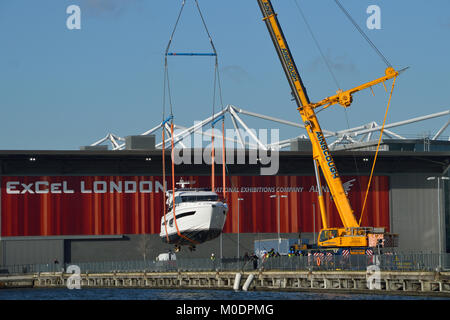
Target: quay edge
x: 399, y: 283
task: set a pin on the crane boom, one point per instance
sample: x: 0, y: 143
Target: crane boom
x: 321, y: 153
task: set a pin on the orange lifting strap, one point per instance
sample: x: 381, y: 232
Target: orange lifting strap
x: 173, y: 189
x: 223, y: 160
x: 167, y: 53
x: 212, y: 162
x: 164, y: 181
x: 173, y: 183
x: 213, y: 154
x: 376, y: 153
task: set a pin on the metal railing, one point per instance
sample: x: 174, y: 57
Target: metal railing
x: 394, y: 262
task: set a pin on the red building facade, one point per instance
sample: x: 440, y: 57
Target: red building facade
x: 110, y: 205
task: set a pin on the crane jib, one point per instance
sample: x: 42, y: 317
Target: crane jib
x: 326, y: 153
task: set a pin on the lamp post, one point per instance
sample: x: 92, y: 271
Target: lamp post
x: 278, y: 213
x: 439, y: 214
x: 314, y: 222
x: 238, y: 253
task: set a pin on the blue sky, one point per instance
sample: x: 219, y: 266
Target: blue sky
x: 61, y: 89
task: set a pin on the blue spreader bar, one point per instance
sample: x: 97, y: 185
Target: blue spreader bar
x: 190, y: 54
x: 218, y: 119
x: 167, y: 120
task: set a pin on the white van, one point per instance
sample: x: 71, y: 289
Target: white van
x: 166, y: 256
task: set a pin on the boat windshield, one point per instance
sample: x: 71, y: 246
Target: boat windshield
x: 195, y: 198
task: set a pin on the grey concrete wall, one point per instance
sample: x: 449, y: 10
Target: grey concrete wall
x: 414, y: 214
x: 132, y: 247
x: 1, y: 252
x: 446, y: 191
x: 32, y: 251
x: 127, y: 248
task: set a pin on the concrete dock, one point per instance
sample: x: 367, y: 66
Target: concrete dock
x: 426, y: 283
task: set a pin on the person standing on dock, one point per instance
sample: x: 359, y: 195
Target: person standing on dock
x: 254, y: 259
x: 213, y: 260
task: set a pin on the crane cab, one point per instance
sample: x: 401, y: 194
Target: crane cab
x: 343, y: 237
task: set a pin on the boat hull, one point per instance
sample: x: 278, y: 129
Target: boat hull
x: 194, y: 224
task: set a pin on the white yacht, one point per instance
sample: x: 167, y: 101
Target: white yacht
x: 200, y: 216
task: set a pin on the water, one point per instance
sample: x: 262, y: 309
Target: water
x: 179, y: 294
x: 212, y: 304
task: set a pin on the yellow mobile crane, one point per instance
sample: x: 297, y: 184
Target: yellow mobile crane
x: 352, y: 234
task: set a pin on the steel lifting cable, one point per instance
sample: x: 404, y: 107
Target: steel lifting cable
x: 166, y: 81
x: 173, y: 181
x: 376, y: 153
x: 388, y: 64
x: 214, y: 97
x: 224, y: 189
x: 173, y: 189
x: 164, y: 183
x: 216, y: 83
x: 330, y: 70
x: 213, y: 174
x: 163, y: 124
x: 223, y: 131
x: 214, y: 121
x: 219, y: 86
x: 222, y: 117
x: 165, y: 121
x: 327, y: 64
x: 363, y: 34
x: 212, y: 134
